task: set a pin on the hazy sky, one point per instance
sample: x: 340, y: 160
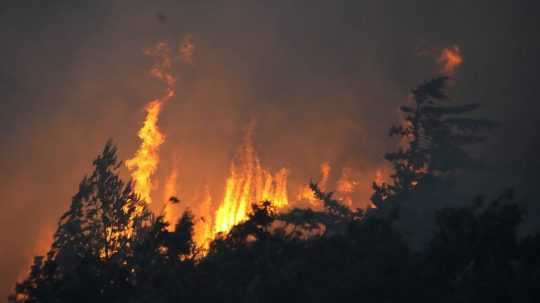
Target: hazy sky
x: 323, y: 80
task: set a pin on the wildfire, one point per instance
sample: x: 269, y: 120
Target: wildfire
x: 306, y: 194
x: 347, y: 185
x: 146, y: 159
x: 145, y: 162
x: 168, y: 193
x: 249, y: 182
x: 203, y: 230
x: 450, y: 59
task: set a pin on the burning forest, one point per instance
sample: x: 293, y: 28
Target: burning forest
x: 248, y: 180
x: 322, y: 152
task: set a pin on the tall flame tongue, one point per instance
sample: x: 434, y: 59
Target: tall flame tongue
x: 248, y: 183
x: 145, y: 161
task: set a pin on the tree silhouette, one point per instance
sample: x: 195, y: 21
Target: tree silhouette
x: 103, y: 216
x: 432, y: 154
x: 92, y: 239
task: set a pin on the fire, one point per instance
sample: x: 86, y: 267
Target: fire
x: 347, y: 185
x: 145, y: 162
x: 306, y: 194
x: 325, y: 173
x: 146, y: 159
x: 203, y: 228
x: 168, y: 192
x: 248, y: 183
x: 450, y: 59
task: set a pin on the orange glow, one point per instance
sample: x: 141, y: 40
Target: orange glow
x: 450, y: 59
x: 187, y: 50
x: 379, y: 177
x: 248, y: 183
x: 40, y: 248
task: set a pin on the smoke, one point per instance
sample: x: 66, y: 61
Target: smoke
x: 323, y: 81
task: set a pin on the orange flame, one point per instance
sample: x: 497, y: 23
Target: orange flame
x: 325, y: 173
x: 450, y: 59
x: 171, y: 215
x: 248, y: 183
x: 146, y: 159
x: 203, y: 230
x: 306, y: 194
x: 145, y: 162
x: 347, y: 185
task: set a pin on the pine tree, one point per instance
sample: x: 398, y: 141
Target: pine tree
x: 435, y: 138
x: 433, y: 152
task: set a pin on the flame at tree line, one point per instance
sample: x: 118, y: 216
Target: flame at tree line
x: 248, y: 181
x: 306, y: 194
x: 145, y: 162
x: 146, y: 159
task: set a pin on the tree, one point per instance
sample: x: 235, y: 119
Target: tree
x: 433, y: 152
x: 476, y: 254
x: 334, y: 218
x: 104, y: 215
x: 92, y: 239
x: 163, y: 261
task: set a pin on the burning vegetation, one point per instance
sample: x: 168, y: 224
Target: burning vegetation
x: 248, y: 180
x: 260, y: 242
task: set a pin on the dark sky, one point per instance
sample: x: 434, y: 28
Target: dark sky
x: 323, y: 80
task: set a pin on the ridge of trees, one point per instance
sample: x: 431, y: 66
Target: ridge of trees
x: 109, y: 247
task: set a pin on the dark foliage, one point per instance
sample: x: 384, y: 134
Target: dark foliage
x: 434, y: 137
x: 109, y: 248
